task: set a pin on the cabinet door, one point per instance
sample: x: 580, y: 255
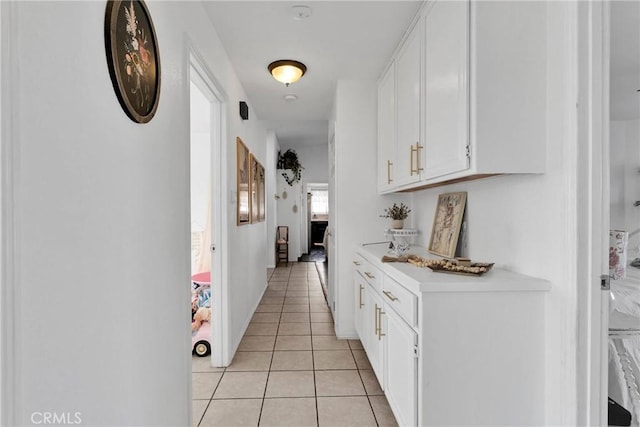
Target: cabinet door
x: 374, y: 333
x: 386, y: 129
x: 446, y: 126
x: 408, y: 91
x: 402, y: 368
x: 359, y: 306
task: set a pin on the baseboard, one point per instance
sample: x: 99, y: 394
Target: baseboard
x: 348, y: 337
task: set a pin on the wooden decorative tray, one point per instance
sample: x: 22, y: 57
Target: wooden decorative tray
x: 451, y: 266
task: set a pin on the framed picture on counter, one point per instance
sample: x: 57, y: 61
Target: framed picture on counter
x: 446, y: 224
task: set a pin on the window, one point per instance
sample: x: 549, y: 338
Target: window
x: 319, y: 202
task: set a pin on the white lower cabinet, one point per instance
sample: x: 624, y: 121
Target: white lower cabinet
x: 368, y: 314
x: 374, y: 333
x: 390, y: 343
x: 359, y: 307
x: 453, y: 350
x: 401, y: 356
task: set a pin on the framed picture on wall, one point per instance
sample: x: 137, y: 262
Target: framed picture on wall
x: 446, y: 224
x: 243, y: 182
x: 133, y: 58
x: 261, y: 193
x: 254, y: 188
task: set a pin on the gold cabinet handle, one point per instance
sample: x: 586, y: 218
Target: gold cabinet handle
x: 356, y: 263
x: 361, y: 289
x: 380, y: 334
x: 413, y: 150
x: 376, y: 319
x: 389, y: 180
x: 416, y: 150
x: 369, y: 275
x: 390, y: 296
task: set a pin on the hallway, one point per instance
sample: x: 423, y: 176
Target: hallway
x: 290, y: 369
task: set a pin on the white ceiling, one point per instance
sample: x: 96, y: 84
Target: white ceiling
x: 341, y: 40
x: 354, y: 40
x: 625, y: 60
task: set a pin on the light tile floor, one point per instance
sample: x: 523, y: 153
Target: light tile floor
x: 290, y: 369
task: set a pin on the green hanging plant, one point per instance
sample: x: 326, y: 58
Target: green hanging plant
x: 290, y: 165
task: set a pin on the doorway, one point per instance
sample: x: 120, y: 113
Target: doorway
x: 208, y: 236
x: 608, y: 140
x: 623, y: 310
x: 317, y: 220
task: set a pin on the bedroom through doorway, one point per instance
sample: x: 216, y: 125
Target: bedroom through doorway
x: 208, y: 240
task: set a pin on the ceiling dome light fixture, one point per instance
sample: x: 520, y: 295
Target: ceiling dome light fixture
x: 287, y: 71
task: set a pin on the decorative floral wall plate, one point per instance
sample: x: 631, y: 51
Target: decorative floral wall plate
x: 132, y: 55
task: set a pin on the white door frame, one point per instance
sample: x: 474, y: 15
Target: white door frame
x: 593, y: 193
x: 200, y: 74
x: 332, y: 250
x: 9, y: 298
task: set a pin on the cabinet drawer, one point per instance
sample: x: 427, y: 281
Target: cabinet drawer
x: 359, y: 263
x: 371, y: 274
x: 401, y: 300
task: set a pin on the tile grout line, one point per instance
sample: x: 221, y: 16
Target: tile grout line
x: 211, y: 398
x: 366, y: 393
x: 273, y: 351
x: 313, y: 360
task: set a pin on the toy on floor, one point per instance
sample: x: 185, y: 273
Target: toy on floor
x: 203, y: 314
x: 201, y: 340
x: 201, y: 332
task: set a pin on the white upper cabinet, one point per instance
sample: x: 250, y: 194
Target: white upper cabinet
x: 386, y: 129
x: 508, y: 124
x: 470, y: 94
x: 408, y: 111
x: 446, y: 96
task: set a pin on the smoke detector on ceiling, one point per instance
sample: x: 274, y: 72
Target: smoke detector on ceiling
x: 300, y: 13
x: 290, y: 97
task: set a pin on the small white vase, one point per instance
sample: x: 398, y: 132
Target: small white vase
x: 397, y: 224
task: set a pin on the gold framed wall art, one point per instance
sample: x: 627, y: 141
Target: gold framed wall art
x: 243, y: 183
x: 254, y: 189
x: 261, y: 194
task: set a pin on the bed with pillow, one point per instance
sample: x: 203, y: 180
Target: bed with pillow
x: 624, y: 344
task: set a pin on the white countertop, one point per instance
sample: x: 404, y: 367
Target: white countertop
x: 422, y: 279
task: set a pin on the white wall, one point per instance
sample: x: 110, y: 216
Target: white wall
x: 625, y: 179
x: 286, y: 215
x: 271, y: 190
x: 355, y: 216
x: 314, y: 160
x: 102, y: 203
